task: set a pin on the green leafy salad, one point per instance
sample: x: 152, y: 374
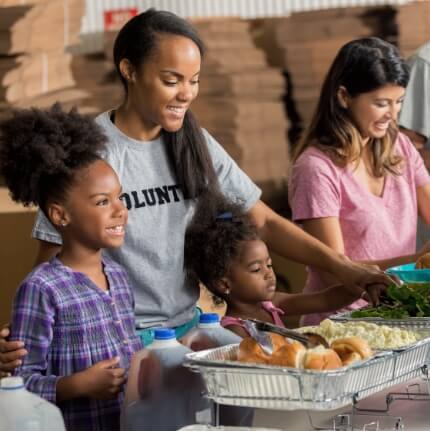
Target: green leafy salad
x: 400, y: 302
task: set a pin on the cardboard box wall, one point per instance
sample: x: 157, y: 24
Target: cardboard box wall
x: 34, y: 64
x: 18, y: 251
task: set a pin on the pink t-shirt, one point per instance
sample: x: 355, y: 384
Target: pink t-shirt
x: 275, y: 312
x: 372, y: 227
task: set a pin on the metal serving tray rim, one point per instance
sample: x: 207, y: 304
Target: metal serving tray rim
x: 192, y: 359
x: 347, y: 315
x: 408, y: 323
x: 282, y: 388
x: 379, y: 352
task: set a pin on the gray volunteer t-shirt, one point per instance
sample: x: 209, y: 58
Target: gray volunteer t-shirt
x: 153, y: 250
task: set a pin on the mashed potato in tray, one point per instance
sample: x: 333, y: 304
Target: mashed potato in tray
x: 378, y: 336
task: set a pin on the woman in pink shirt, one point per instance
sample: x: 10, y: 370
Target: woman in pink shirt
x: 357, y: 184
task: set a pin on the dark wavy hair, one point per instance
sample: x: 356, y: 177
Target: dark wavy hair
x: 214, y: 238
x: 137, y: 41
x: 361, y: 66
x: 41, y: 152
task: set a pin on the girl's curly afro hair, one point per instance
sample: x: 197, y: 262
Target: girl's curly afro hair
x: 214, y: 237
x: 41, y: 151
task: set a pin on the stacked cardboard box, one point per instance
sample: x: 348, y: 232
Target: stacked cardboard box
x: 109, y: 40
x: 95, y: 74
x: 9, y: 16
x: 19, y: 250
x: 10, y: 3
x: 413, y: 21
x: 240, y: 101
x: 310, y: 42
x: 7, y: 63
x: 34, y: 62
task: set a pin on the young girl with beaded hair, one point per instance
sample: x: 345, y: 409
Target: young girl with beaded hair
x: 224, y: 251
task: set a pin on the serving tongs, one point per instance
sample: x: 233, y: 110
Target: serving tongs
x: 259, y: 329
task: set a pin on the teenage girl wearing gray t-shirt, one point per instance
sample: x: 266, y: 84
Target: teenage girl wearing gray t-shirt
x: 165, y: 161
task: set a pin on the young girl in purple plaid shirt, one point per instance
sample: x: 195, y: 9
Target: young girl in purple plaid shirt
x: 74, y: 312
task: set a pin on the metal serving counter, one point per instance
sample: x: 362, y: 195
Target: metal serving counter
x: 414, y: 413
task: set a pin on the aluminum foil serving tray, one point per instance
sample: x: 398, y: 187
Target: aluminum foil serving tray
x: 261, y: 386
x: 410, y: 323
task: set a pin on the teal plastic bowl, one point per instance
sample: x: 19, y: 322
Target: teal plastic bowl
x: 409, y: 274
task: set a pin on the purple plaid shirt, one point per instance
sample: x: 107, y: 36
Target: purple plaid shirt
x: 68, y: 324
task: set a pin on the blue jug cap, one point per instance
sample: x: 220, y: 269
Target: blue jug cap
x: 164, y: 334
x: 209, y: 318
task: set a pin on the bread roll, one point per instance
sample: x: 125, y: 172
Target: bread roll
x: 345, y: 346
x: 289, y: 355
x: 277, y: 340
x: 423, y: 262
x: 350, y: 358
x: 320, y: 358
x: 251, y: 351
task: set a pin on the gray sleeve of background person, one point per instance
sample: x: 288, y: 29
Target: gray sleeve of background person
x: 415, y: 113
x: 44, y: 230
x: 233, y: 181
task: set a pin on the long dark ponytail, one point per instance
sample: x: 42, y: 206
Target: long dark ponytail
x: 187, y: 147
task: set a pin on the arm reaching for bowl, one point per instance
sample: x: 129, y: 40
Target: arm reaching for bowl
x: 423, y: 262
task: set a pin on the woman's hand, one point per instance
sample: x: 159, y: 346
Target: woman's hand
x: 11, y: 353
x: 423, y: 250
x: 363, y: 280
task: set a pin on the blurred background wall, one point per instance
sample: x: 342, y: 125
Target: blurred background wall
x: 93, y: 19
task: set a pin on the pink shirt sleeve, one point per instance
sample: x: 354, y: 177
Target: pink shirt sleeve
x: 314, y: 190
x: 415, y: 161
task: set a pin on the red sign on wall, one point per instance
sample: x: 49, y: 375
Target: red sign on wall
x: 115, y: 19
